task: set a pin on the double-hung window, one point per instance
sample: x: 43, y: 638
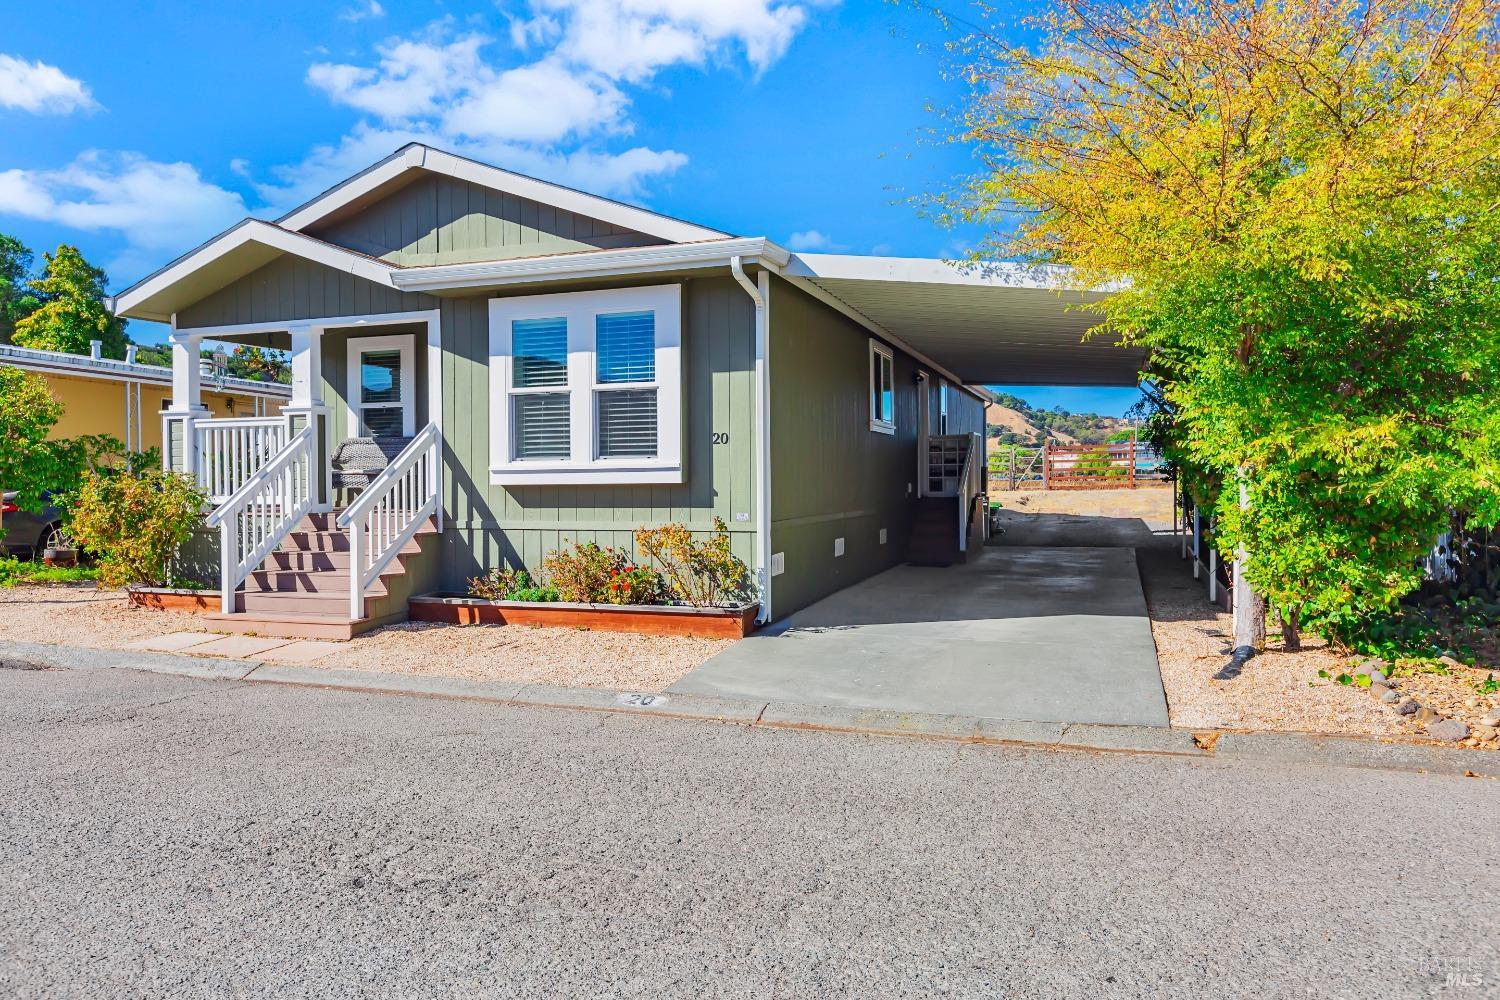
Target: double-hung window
x: 882, y: 389
x: 586, y: 387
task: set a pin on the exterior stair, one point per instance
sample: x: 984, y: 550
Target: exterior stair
x: 301, y: 591
x: 934, y: 533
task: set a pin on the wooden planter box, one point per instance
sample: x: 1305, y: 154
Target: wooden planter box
x: 642, y: 619
x: 167, y: 599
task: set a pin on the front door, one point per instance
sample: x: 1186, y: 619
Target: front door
x: 382, y: 386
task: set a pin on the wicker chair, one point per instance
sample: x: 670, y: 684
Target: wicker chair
x: 357, y: 461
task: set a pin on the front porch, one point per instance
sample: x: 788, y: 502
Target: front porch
x: 320, y: 517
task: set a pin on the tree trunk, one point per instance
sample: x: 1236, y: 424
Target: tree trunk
x: 1291, y: 635
x: 1249, y: 607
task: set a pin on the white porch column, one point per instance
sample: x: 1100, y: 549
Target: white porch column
x: 306, y: 407
x: 187, y: 407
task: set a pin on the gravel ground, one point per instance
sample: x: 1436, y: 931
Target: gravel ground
x: 101, y: 619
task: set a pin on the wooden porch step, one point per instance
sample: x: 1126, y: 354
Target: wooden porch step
x: 292, y: 624
x: 310, y: 582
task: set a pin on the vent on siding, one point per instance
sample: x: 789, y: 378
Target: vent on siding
x: 627, y: 423
x: 541, y: 429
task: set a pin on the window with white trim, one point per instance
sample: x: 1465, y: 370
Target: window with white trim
x: 586, y: 387
x: 943, y: 406
x: 882, y: 389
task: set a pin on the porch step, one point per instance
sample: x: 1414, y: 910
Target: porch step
x: 934, y: 533
x: 302, y: 588
x: 293, y: 624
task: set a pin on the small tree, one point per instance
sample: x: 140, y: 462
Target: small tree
x: 135, y: 524
x: 15, y: 299
x: 28, y: 413
x: 72, y: 310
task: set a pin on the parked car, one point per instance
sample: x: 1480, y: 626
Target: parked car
x: 30, y: 533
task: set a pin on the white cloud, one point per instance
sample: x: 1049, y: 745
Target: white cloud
x: 369, y: 9
x: 41, y: 89
x: 549, y: 91
x: 159, y: 208
x: 812, y: 241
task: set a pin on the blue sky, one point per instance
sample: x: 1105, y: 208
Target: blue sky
x: 137, y: 131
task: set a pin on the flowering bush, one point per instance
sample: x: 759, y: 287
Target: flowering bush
x: 582, y: 572
x: 632, y: 584
x: 134, y: 524
x: 500, y: 584
x: 702, y: 573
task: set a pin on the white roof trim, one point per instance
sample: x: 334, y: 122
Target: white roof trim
x: 60, y: 363
x: 590, y: 264
x: 929, y: 271
x: 419, y: 157
x: 251, y: 231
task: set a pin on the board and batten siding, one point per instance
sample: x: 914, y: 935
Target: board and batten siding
x: 518, y: 525
x: 444, y: 220
x: 832, y: 476
x: 487, y: 525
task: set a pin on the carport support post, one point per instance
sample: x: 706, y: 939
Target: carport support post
x: 1248, y: 607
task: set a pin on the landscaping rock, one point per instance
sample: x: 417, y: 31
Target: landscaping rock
x: 1426, y: 715
x: 1448, y: 730
x: 1379, y: 690
x: 1491, y: 718
x: 1449, y: 661
x: 1486, y: 733
x: 1408, y: 707
x: 1378, y: 677
x: 1390, y: 697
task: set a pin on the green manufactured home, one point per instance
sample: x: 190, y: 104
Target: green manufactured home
x: 557, y: 366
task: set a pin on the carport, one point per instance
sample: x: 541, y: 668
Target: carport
x: 1049, y: 633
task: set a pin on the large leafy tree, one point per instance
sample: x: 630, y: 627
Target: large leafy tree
x: 16, y: 300
x: 1302, y: 201
x: 71, y: 311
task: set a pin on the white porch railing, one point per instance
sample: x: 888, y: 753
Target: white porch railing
x: 263, y: 510
x: 230, y: 451
x: 389, y: 511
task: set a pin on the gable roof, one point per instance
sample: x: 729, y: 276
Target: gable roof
x: 233, y: 254
x: 396, y: 170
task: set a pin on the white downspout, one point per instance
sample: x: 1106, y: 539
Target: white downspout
x: 761, y: 295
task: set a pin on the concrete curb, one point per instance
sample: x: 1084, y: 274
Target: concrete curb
x: 1295, y: 748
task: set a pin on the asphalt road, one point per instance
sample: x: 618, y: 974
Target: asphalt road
x: 166, y: 837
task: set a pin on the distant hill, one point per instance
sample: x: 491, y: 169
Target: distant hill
x: 1012, y: 420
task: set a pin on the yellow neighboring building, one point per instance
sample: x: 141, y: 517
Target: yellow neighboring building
x: 123, y: 398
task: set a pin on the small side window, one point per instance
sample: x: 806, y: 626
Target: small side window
x: 882, y: 389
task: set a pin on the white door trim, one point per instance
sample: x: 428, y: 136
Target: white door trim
x: 405, y: 345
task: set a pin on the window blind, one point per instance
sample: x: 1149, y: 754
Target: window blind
x: 626, y: 347
x: 541, y: 425
x: 627, y: 423
x: 540, y: 351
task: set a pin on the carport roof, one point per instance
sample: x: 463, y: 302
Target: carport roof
x: 995, y: 323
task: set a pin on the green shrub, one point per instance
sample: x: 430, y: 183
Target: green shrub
x: 500, y: 584
x: 702, y: 573
x: 134, y: 524
x: 16, y: 572
x: 632, y: 584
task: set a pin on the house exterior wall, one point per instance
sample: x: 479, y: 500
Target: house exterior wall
x: 444, y: 220
x: 487, y: 525
x: 97, y: 406
x: 832, y: 476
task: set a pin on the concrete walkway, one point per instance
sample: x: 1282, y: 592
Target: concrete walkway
x: 1042, y: 634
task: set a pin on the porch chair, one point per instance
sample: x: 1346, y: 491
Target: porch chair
x: 357, y: 461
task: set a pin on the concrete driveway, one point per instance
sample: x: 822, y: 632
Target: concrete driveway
x: 1038, y: 633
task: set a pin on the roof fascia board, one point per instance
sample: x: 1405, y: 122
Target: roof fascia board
x: 590, y: 264
x: 419, y: 157
x: 249, y: 231
x: 933, y: 271
x: 834, y: 302
x: 81, y: 367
